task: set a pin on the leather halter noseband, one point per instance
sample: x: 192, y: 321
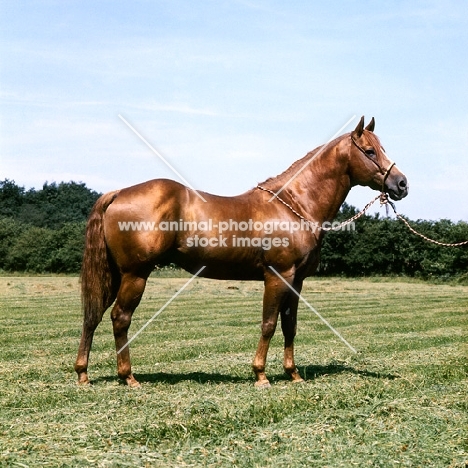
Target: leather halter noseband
x: 384, y: 172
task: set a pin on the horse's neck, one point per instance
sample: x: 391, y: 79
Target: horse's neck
x: 318, y: 190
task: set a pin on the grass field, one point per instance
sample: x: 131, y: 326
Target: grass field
x: 401, y: 401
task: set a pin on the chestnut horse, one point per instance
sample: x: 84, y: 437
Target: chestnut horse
x: 118, y: 261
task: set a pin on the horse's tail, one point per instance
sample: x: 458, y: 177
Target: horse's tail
x: 99, y: 278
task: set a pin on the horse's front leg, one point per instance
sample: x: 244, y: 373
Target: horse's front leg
x: 289, y: 327
x: 274, y: 297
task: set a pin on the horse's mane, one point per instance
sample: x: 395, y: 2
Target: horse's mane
x: 373, y: 140
x: 281, y: 179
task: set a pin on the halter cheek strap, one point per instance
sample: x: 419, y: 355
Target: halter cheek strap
x: 384, y: 172
x: 387, y: 172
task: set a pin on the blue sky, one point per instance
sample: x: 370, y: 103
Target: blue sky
x: 232, y: 92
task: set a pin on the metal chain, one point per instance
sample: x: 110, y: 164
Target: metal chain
x: 313, y: 224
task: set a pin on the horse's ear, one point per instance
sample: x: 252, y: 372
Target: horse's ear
x: 371, y: 125
x: 359, y: 129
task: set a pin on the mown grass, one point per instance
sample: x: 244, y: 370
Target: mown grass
x: 401, y: 401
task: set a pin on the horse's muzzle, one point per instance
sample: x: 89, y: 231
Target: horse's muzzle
x: 397, y: 186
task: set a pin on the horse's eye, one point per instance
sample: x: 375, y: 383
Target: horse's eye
x: 370, y: 152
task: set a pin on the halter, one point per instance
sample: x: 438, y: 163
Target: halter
x: 384, y: 172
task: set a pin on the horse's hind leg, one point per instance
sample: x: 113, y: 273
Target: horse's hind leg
x: 81, y: 364
x: 128, y: 298
x: 90, y: 322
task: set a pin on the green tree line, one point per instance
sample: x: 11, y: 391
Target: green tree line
x: 42, y: 231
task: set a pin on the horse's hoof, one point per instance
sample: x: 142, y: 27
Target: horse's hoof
x: 83, y: 380
x: 262, y: 384
x: 295, y: 376
x: 132, y: 382
x: 300, y: 380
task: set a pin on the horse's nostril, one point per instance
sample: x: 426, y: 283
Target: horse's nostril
x: 402, y: 184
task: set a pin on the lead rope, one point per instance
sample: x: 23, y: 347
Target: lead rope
x: 385, y: 201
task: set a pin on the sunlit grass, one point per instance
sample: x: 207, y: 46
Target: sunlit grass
x: 401, y: 401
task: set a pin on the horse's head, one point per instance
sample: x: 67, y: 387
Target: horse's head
x: 370, y: 166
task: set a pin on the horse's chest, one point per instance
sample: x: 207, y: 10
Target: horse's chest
x: 307, y: 266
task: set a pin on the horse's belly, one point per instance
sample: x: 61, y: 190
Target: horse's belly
x: 220, y: 266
